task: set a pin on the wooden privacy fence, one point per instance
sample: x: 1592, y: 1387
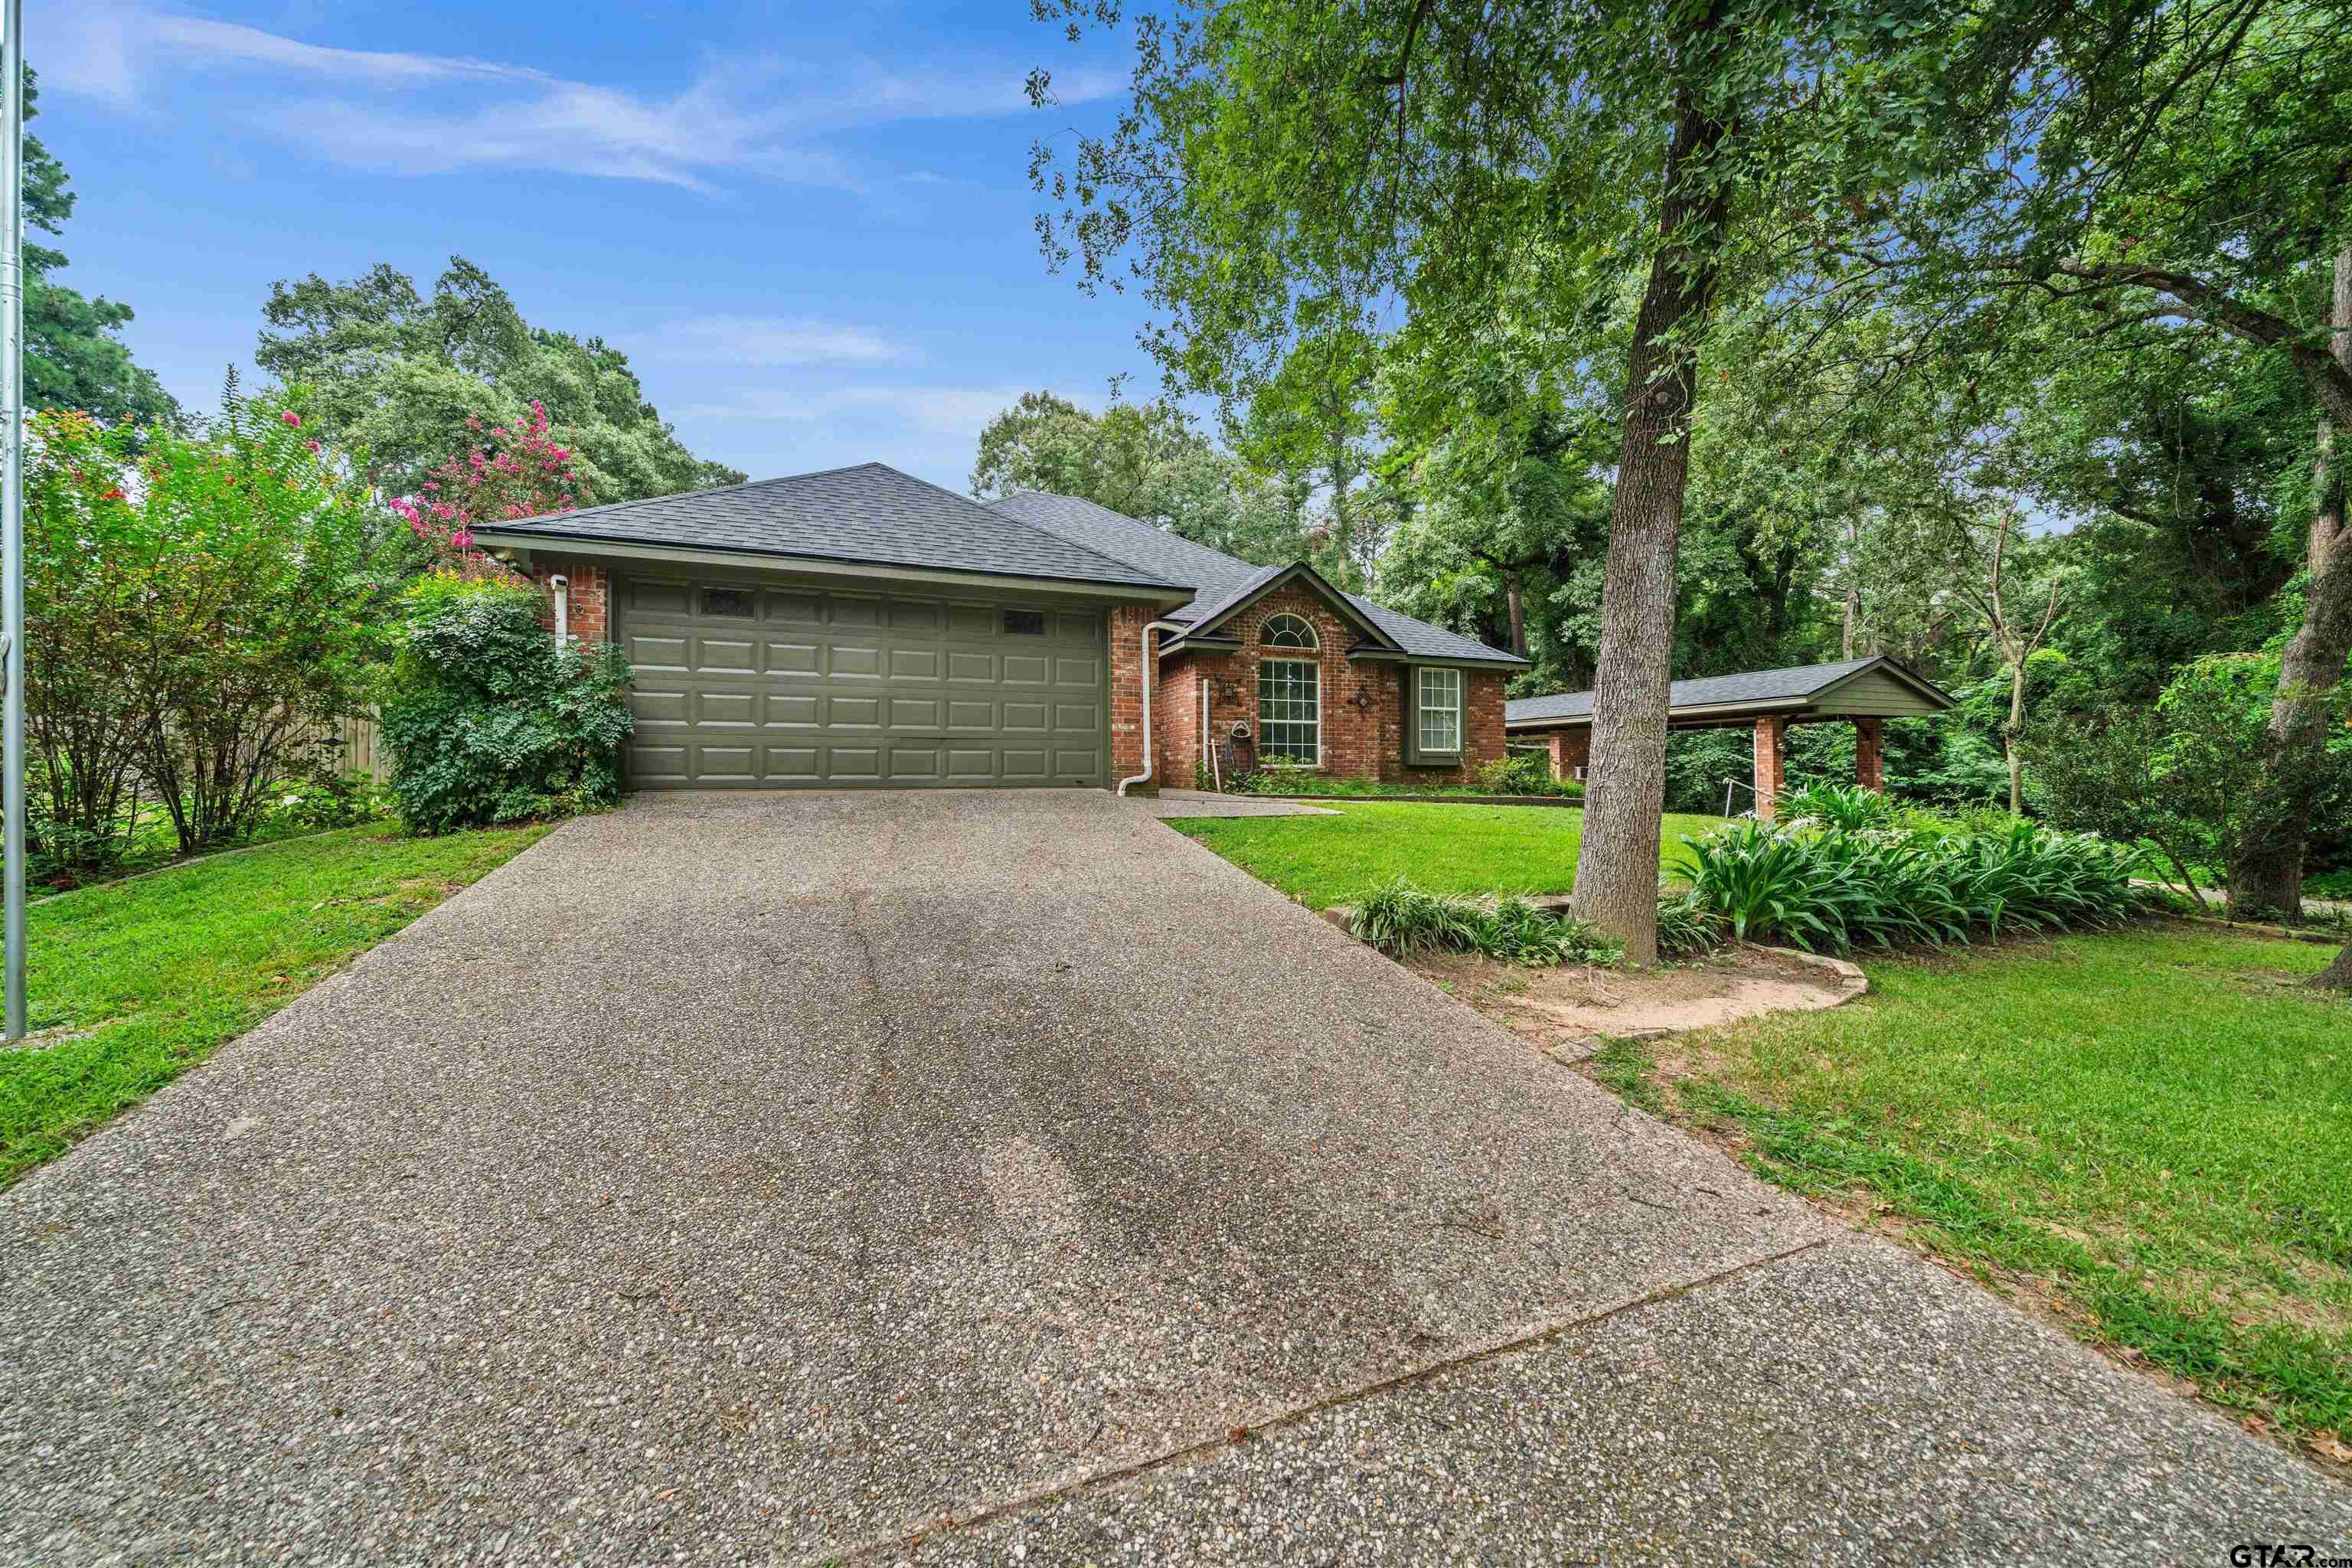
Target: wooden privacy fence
x: 360, y: 753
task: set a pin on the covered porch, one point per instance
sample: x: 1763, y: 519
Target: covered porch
x: 1863, y: 692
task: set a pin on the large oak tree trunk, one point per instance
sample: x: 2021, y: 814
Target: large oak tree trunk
x: 1617, y: 864
x: 2337, y: 976
x: 2268, y: 872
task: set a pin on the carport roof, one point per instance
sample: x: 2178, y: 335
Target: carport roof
x: 1728, y: 696
x: 870, y: 514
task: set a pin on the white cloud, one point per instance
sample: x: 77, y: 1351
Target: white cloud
x: 409, y: 113
x: 773, y: 341
x: 948, y: 410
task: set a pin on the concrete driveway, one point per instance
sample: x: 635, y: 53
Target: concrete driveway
x: 766, y: 1179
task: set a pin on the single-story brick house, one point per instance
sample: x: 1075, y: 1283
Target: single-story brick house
x: 859, y: 628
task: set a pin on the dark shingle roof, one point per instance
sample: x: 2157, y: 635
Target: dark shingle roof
x: 1792, y: 684
x: 1220, y: 580
x: 867, y: 513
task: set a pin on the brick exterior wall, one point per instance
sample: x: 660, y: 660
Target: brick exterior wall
x: 587, y: 595
x: 1362, y: 702
x: 1570, y: 750
x: 1127, y: 624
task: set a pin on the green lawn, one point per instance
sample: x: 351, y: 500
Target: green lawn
x: 2145, y: 1131
x: 1327, y: 860
x: 160, y: 970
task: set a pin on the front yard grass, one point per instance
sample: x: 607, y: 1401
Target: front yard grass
x: 150, y: 976
x: 2144, y: 1132
x: 1327, y: 860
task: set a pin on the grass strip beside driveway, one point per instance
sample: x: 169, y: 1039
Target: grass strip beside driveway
x: 2147, y: 1134
x: 151, y: 976
x: 1326, y: 860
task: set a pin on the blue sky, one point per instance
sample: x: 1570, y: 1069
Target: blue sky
x: 808, y: 226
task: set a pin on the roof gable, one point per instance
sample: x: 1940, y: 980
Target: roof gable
x: 1225, y: 583
x: 1267, y: 580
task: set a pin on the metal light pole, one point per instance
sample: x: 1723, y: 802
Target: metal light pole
x: 12, y: 509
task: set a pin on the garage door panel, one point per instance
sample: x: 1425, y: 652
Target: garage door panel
x: 660, y: 600
x: 854, y: 660
x: 655, y: 651
x: 797, y: 708
x: 915, y: 664
x: 723, y: 764
x: 793, y: 764
x: 724, y: 707
x: 725, y: 655
x: 659, y: 706
x: 843, y: 712
x: 794, y: 658
x: 744, y: 685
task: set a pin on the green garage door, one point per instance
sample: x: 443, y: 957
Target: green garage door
x: 745, y: 685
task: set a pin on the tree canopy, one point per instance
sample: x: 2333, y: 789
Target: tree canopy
x: 397, y: 373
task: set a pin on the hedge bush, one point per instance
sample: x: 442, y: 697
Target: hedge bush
x: 488, y: 720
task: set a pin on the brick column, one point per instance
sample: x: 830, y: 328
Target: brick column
x: 1870, y: 753
x: 1570, y: 750
x: 1771, y: 746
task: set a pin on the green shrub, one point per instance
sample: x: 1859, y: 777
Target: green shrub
x: 334, y: 800
x: 1686, y: 927
x: 489, y: 720
x: 1525, y: 773
x: 1848, y: 806
x: 1831, y: 888
x: 1401, y: 921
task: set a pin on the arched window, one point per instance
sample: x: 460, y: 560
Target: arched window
x: 1287, y: 631
x: 1289, y: 692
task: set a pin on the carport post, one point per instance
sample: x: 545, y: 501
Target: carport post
x: 12, y: 513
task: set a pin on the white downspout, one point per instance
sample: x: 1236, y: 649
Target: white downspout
x: 562, y: 587
x: 1150, y: 628
x: 1208, y: 747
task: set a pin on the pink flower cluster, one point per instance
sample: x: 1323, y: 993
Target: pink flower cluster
x: 526, y: 475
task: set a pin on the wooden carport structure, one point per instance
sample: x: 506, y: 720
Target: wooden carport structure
x: 1863, y: 692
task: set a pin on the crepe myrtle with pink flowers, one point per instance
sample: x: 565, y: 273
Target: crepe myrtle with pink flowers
x: 520, y: 470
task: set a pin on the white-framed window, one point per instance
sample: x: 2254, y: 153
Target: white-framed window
x: 1437, y: 709
x: 1290, y: 710
x: 1287, y: 631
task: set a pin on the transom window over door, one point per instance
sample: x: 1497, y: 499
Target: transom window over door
x: 1440, y: 710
